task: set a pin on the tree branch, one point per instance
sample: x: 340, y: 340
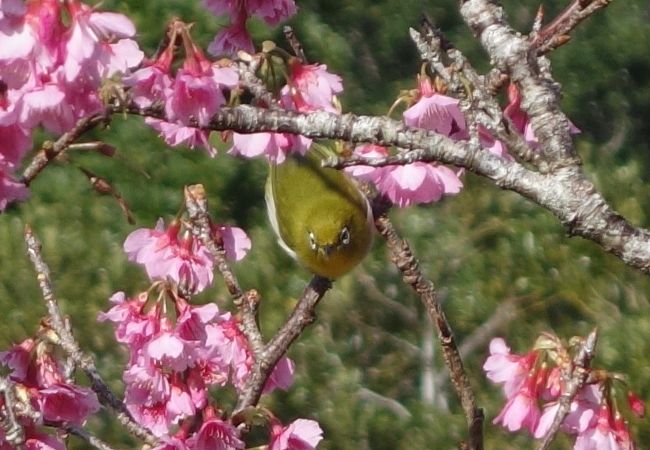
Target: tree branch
x: 68, y: 343
x: 574, y: 380
x: 303, y: 314
x: 402, y: 257
x: 197, y: 207
x: 565, y: 191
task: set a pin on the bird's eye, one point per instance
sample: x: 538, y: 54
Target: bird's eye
x: 345, y: 236
x: 312, y: 241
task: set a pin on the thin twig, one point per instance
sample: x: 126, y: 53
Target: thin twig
x: 248, y: 78
x: 402, y: 257
x: 303, y: 314
x: 557, y: 32
x: 86, y: 436
x: 196, y: 203
x: 574, y: 381
x: 50, y: 150
x: 13, y: 432
x: 70, y: 345
x: 295, y: 44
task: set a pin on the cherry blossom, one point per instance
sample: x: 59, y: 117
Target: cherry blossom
x: 232, y: 39
x: 274, y: 146
x: 311, y: 88
x: 521, y: 410
x: 301, y: 434
x: 235, y: 36
x: 215, y: 434
x: 503, y: 367
x: 407, y: 184
x: 436, y: 112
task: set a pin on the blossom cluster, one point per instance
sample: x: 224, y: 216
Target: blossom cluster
x: 53, y: 58
x: 191, y: 95
x: 418, y: 182
x: 534, y: 383
x: 172, y: 253
x: 235, y: 36
x: 40, y: 380
x: 179, y: 351
x: 310, y: 87
x: 176, y: 355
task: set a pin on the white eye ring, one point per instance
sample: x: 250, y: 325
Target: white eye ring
x: 345, y: 236
x: 312, y: 241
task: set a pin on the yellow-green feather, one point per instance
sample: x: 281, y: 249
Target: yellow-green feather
x: 303, y: 197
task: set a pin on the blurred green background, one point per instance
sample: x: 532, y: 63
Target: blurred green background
x: 363, y: 365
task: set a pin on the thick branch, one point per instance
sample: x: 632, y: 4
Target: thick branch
x: 511, y: 53
x: 565, y: 192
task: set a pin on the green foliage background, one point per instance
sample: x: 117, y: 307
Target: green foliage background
x: 482, y: 248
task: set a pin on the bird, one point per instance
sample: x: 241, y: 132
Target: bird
x: 319, y: 215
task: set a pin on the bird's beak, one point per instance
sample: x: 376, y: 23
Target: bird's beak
x: 326, y: 250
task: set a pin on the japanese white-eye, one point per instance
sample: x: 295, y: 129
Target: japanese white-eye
x: 319, y: 214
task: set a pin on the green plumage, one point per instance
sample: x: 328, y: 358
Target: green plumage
x: 319, y: 214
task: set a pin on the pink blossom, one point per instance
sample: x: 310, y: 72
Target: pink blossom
x: 32, y: 364
x: 215, y: 434
x: 197, y: 91
x: 311, y: 87
x: 275, y: 146
x: 18, y: 360
x: 119, y: 57
x: 521, y: 410
x: 281, y: 377
x: 271, y: 11
x: 604, y: 434
x: 35, y: 440
x: 301, y: 434
x: 233, y: 38
x: 233, y: 349
x: 236, y: 242
x: 164, y: 255
x: 15, y: 140
x: 10, y: 190
x: 152, y: 82
x: 436, y: 112
x: 156, y: 400
x: 89, y: 30
x: 519, y: 118
x: 11, y: 9
x: 134, y: 326
x: 509, y: 369
x: 67, y: 403
x: 636, y: 404
x: 491, y: 144
x: 582, y: 413
x: 407, y: 184
x: 175, y: 134
x: 169, y: 350
x: 192, y: 320
x: 196, y: 95
x: 149, y: 84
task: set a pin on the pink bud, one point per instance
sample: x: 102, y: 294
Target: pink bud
x: 636, y: 404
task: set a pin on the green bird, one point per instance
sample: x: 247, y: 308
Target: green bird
x: 319, y: 214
